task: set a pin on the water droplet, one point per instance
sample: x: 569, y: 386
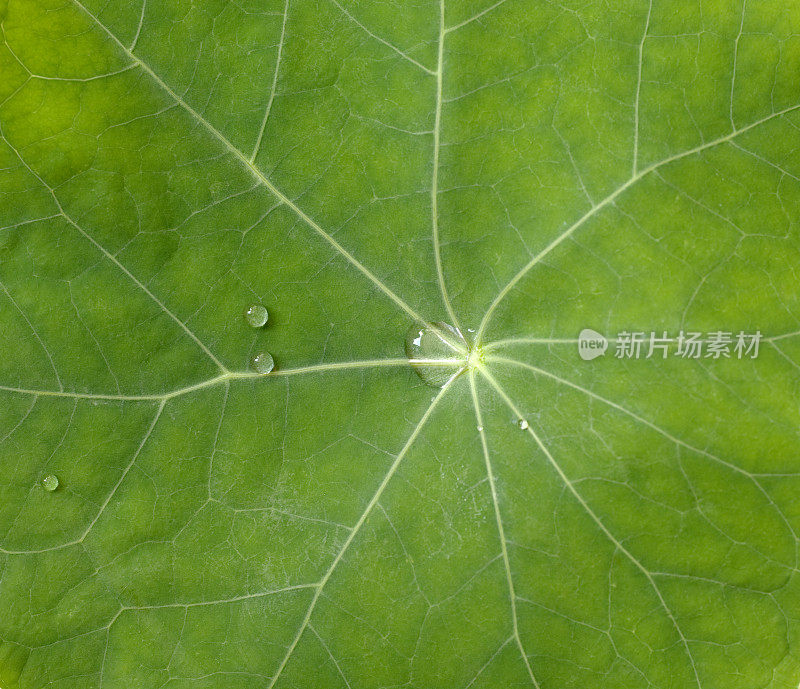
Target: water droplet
x: 428, y: 345
x: 523, y: 424
x: 263, y: 362
x: 256, y: 315
x: 480, y: 429
x: 50, y: 483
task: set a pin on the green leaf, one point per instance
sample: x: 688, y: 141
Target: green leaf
x: 520, y: 171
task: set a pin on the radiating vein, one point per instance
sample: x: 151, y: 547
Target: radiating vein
x: 233, y: 376
x: 268, y: 109
x: 500, y: 530
x: 255, y: 171
x: 357, y: 527
x: 587, y: 508
x: 225, y: 379
x: 497, y: 344
x: 511, y: 341
x: 437, y: 132
x: 610, y: 200
x: 649, y: 424
x: 618, y: 407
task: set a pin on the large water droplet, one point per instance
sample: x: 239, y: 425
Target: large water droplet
x: 256, y: 315
x: 50, y: 482
x: 436, y: 352
x: 263, y: 362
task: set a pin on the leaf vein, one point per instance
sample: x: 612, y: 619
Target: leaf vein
x: 500, y: 530
x: 608, y: 200
x: 593, y: 515
x: 357, y: 527
x: 256, y: 172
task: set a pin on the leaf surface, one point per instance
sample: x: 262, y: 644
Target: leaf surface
x: 518, y: 171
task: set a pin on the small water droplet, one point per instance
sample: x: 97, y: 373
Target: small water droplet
x: 431, y: 344
x: 480, y: 429
x: 523, y: 424
x: 50, y: 483
x: 263, y: 362
x: 256, y: 315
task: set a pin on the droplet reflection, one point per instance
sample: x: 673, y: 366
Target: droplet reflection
x: 256, y: 315
x: 263, y: 363
x: 436, y: 351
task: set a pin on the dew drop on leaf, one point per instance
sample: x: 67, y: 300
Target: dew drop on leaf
x: 263, y: 362
x: 256, y: 315
x: 428, y: 345
x: 50, y: 483
x: 523, y: 424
